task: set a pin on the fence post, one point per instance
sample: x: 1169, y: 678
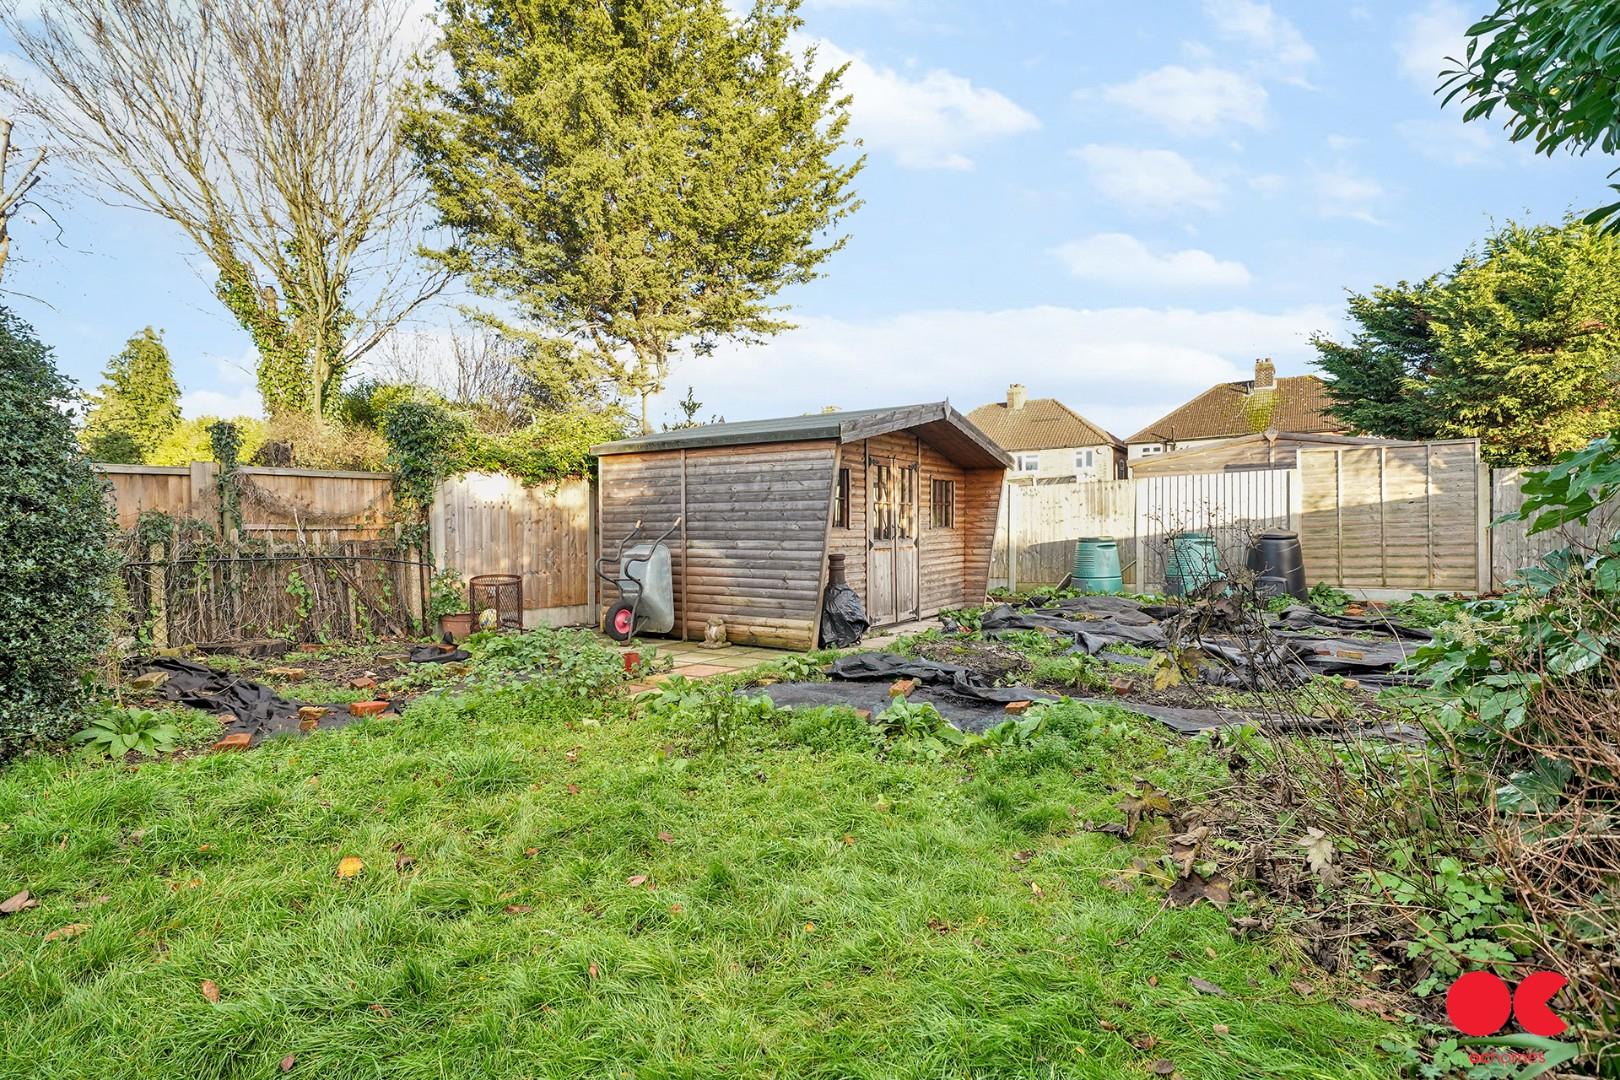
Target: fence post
x: 1482, y: 490
x: 157, y: 593
x: 1008, y: 492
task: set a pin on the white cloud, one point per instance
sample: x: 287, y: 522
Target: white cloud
x: 1188, y: 101
x: 1428, y: 36
x: 1256, y: 25
x: 1150, y: 181
x: 927, y: 122
x: 1268, y: 183
x: 232, y: 391
x: 1342, y: 192
x: 1450, y: 141
x: 1122, y: 367
x: 1121, y: 259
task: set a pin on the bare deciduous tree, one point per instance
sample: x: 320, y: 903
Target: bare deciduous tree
x: 266, y: 130
x: 14, y: 186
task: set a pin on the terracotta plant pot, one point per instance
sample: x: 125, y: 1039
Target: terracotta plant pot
x: 457, y: 626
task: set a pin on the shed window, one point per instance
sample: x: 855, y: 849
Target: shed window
x: 1029, y: 462
x: 942, y: 504
x: 841, y: 501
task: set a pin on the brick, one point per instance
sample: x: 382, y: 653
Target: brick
x: 291, y: 674
x: 864, y: 714
x: 1016, y: 707
x: 367, y: 708
x: 903, y: 688
x: 240, y: 740
x: 310, y: 717
x: 149, y: 681
x: 363, y: 682
x: 310, y: 646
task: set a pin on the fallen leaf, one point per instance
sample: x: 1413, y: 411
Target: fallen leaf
x: 637, y: 882
x: 210, y: 990
x: 1187, y: 891
x: 849, y: 841
x: 809, y: 927
x: 573, y: 789
x: 518, y: 909
x: 71, y: 930
x: 1153, y: 980
x: 21, y: 902
x: 1302, y: 988
x: 529, y: 853
x: 1108, y: 1025
x: 381, y: 1010
x: 288, y: 1062
x: 1144, y: 1042
x: 1211, y: 953
x: 1163, y: 1067
x: 403, y: 862
x: 593, y: 971
x: 1023, y: 856
x: 676, y: 908
x: 349, y: 866
x: 667, y: 837
x: 1220, y: 1029
x: 572, y: 755
x: 1318, y: 850
x: 1204, y: 986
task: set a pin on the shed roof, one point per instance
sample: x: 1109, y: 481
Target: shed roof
x: 940, y: 425
x: 1039, y: 424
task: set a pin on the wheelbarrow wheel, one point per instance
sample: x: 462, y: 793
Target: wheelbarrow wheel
x: 620, y: 622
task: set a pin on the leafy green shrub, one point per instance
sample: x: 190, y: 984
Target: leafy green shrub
x: 55, y: 563
x: 1076, y: 672
x: 576, y: 662
x: 115, y: 731
x: 1328, y: 599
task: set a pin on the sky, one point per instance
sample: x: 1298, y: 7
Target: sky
x: 1117, y: 205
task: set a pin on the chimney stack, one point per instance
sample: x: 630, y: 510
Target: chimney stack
x: 1015, y: 396
x: 1265, y: 374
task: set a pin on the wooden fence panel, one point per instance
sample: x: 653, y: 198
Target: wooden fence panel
x: 1041, y: 522
x: 1512, y: 546
x: 1403, y: 516
x: 490, y: 523
x: 311, y: 506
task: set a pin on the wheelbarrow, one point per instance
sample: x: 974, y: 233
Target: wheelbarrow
x: 646, y: 587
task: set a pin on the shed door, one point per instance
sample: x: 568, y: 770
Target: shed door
x: 892, y: 565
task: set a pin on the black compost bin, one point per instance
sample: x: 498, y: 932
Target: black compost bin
x: 1278, y: 564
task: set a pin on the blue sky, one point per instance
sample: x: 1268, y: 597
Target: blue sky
x: 1115, y: 204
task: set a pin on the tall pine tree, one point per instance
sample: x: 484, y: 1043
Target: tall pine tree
x: 137, y: 404
x: 1516, y: 346
x: 635, y: 178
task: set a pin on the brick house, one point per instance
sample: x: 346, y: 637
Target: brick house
x: 1049, y: 442
x: 1292, y: 405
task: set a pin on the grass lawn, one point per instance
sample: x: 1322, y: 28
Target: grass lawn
x: 582, y: 891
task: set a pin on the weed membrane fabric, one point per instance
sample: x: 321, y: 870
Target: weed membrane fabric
x: 258, y: 710
x: 1287, y: 648
x: 862, y: 681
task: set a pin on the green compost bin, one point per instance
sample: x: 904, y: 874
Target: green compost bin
x: 1096, y: 565
x: 1193, y: 562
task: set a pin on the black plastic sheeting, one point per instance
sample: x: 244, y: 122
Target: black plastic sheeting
x: 967, y: 702
x: 843, y: 618
x: 258, y: 710
x: 1292, y: 646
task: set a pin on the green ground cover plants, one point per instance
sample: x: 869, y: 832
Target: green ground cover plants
x: 543, y: 878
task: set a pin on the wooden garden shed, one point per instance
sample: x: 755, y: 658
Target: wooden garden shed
x: 908, y: 495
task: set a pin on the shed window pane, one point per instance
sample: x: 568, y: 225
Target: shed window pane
x: 942, y: 504
x: 841, y: 501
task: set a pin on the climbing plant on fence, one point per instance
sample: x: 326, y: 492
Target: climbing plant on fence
x: 423, y: 443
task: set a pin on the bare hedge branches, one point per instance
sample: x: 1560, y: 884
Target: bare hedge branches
x: 267, y: 131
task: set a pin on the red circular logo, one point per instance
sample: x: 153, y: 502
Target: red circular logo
x: 1479, y: 1003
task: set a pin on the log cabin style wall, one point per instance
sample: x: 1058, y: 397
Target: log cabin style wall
x: 909, y: 497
